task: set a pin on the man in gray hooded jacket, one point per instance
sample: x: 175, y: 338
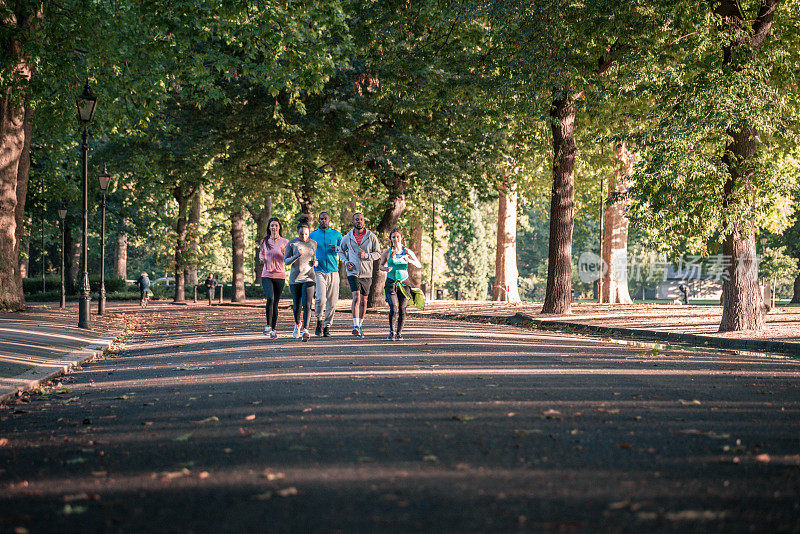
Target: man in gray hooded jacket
x: 359, y: 248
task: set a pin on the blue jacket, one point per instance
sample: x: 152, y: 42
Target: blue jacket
x: 328, y: 259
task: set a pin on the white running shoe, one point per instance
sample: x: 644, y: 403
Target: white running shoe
x: 306, y: 335
x: 296, y: 331
x: 273, y: 334
x: 267, y: 330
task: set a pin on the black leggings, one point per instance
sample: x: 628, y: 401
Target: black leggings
x: 302, y: 296
x: 273, y: 287
x: 397, y: 305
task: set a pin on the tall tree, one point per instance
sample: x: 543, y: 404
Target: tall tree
x: 615, y: 231
x: 506, y: 274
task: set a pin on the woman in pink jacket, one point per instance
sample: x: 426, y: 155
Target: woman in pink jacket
x: 273, y: 276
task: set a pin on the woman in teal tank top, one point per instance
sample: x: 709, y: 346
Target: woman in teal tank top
x: 395, y: 262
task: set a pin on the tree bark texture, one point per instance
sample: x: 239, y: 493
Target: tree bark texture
x: 395, y: 187
x: 415, y: 244
x: 305, y: 196
x: 743, y: 303
x: 796, y: 293
x: 261, y: 219
x: 237, y: 241
x: 193, y: 237
x: 505, y: 267
x: 25, y: 259
x: 121, y: 252
x: 615, y: 231
x: 12, y: 147
x: 181, y: 228
x: 562, y: 206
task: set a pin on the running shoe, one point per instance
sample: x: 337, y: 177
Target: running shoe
x: 318, y: 330
x: 267, y: 331
x: 355, y: 331
x: 398, y: 337
x: 390, y: 337
x: 326, y: 332
x: 296, y: 331
x: 306, y: 335
x: 273, y: 334
x: 360, y: 331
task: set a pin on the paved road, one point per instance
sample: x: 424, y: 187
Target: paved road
x: 201, y: 424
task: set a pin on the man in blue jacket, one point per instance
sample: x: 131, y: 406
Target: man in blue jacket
x: 327, y: 273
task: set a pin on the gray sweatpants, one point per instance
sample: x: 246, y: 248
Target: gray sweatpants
x: 327, y: 296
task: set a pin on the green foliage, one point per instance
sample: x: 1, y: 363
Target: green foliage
x: 469, y: 258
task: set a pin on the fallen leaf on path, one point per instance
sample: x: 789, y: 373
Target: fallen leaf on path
x: 70, y: 510
x: 763, y: 458
x: 269, y: 475
x: 552, y: 414
x: 463, y: 418
x: 211, y: 419
x: 287, y: 492
x: 184, y: 437
x: 250, y: 417
x: 3, y: 442
x: 430, y: 458
x: 691, y: 402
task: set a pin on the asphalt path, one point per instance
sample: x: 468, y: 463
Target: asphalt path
x: 198, y: 423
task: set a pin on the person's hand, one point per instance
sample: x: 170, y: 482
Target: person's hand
x: 362, y: 254
x: 350, y: 266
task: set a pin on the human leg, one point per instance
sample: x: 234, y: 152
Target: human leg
x: 297, y: 297
x: 331, y: 298
x: 402, y: 302
x: 391, y: 299
x: 307, y: 297
x: 277, y: 289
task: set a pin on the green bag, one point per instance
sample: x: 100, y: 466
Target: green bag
x: 416, y: 296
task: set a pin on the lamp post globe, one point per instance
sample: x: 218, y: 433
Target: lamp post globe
x: 62, y: 214
x: 104, y: 179
x: 86, y: 103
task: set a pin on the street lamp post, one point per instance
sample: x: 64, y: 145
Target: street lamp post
x: 104, y: 179
x: 86, y: 106
x: 62, y: 214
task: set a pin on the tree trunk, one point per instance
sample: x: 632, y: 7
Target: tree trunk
x: 391, y: 215
x: 796, y: 295
x: 557, y: 298
x: 262, y: 229
x: 743, y: 303
x: 237, y: 240
x: 615, y: 232
x: 180, y: 243
x: 121, y: 253
x: 193, y: 237
x: 12, y: 142
x: 305, y: 196
x: 25, y: 258
x: 415, y: 244
x: 505, y: 267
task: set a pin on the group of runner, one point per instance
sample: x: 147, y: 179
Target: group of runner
x: 313, y: 258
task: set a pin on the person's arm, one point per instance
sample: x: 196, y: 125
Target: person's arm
x: 343, y: 249
x: 384, y: 261
x: 375, y: 253
x: 412, y: 259
x: 292, y: 254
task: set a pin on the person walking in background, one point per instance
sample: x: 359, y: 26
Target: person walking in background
x: 301, y: 255
x: 144, y: 289
x: 359, y: 248
x: 273, y: 274
x: 211, y: 286
x: 395, y: 262
x: 327, y: 274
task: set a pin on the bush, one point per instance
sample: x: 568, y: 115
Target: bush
x: 32, y: 286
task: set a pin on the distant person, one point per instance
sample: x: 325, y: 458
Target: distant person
x: 684, y: 293
x: 327, y: 274
x: 301, y: 255
x: 144, y: 289
x: 395, y: 262
x: 358, y: 250
x: 211, y: 286
x: 273, y: 274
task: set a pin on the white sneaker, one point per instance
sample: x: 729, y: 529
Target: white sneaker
x: 306, y: 335
x: 267, y: 330
x: 273, y: 334
x: 296, y: 331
